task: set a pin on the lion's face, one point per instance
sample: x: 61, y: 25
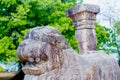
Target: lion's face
x: 32, y: 51
x: 39, y: 56
x: 41, y: 51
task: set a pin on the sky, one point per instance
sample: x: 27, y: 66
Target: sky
x: 114, y: 4
x: 91, y: 1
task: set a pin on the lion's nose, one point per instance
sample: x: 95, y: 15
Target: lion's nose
x: 30, y: 59
x: 37, y: 59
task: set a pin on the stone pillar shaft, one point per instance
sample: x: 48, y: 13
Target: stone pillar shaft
x: 83, y: 17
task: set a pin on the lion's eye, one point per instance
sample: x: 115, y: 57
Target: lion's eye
x: 58, y: 41
x: 44, y: 57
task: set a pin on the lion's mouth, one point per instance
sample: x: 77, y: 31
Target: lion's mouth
x: 36, y: 68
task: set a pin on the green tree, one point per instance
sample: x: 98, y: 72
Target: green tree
x: 73, y: 1
x: 116, y: 37
x: 104, y: 40
x: 13, y: 20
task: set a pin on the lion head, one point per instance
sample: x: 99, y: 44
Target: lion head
x: 42, y: 49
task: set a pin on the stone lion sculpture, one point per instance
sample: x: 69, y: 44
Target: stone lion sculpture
x: 47, y: 56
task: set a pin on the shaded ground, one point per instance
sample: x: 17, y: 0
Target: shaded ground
x: 19, y: 76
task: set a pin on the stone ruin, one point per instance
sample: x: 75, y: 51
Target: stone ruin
x: 46, y: 55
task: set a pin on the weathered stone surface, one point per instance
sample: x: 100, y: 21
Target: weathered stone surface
x: 86, y: 40
x: 83, y: 17
x: 56, y: 60
x: 82, y: 8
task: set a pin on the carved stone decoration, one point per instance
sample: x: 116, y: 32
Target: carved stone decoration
x: 47, y: 56
x: 83, y: 17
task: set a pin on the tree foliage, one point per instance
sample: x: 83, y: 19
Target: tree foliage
x: 104, y: 39
x: 110, y: 13
x: 117, y: 37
